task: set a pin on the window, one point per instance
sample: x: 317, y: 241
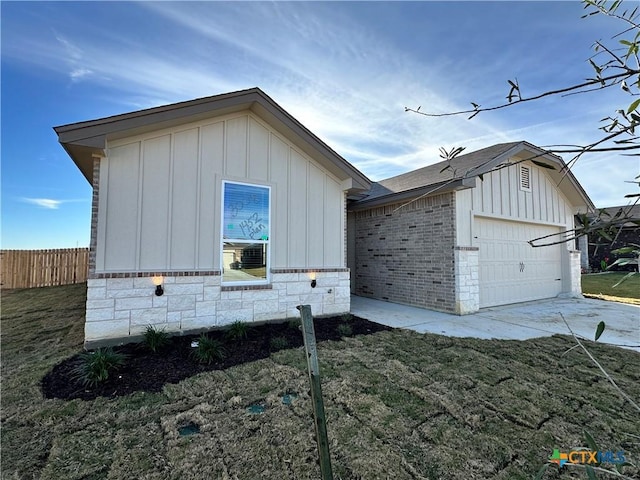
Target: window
x: 525, y: 178
x: 245, y: 233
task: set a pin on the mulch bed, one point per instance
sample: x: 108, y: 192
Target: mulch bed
x: 149, y: 372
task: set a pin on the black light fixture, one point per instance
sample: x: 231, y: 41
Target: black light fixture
x: 157, y: 281
x: 313, y: 279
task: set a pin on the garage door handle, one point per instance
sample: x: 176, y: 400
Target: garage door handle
x: 558, y: 279
x: 521, y: 267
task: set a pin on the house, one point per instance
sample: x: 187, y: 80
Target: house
x: 210, y: 211
x: 454, y: 237
x: 226, y: 208
x: 595, y: 248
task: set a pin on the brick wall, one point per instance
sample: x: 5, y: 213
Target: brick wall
x: 407, y: 256
x: 94, y: 216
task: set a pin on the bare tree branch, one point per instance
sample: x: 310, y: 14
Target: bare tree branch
x: 475, y: 111
x: 610, y: 12
x: 579, y: 149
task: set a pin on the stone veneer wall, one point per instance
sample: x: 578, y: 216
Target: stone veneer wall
x: 573, y: 288
x: 467, y: 271
x: 407, y: 256
x: 121, y: 308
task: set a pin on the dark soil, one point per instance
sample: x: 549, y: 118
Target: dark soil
x: 149, y: 372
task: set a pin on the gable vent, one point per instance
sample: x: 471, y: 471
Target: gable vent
x: 525, y: 178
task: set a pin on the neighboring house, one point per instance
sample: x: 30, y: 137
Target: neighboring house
x: 599, y: 248
x: 456, y: 239
x: 228, y: 204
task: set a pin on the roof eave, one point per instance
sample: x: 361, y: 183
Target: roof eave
x: 435, y: 189
x: 157, y: 117
x: 94, y: 134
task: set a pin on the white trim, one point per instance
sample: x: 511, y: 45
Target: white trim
x: 136, y: 258
x: 172, y: 156
x: 475, y: 213
x: 196, y: 239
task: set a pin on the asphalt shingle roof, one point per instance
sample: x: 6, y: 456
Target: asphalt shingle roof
x: 461, y: 166
x: 628, y: 212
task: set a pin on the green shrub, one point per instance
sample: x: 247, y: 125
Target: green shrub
x: 238, y: 331
x: 278, y: 343
x: 208, y: 350
x: 155, y: 339
x: 347, y: 317
x: 294, y: 323
x: 94, y: 367
x: 345, y: 330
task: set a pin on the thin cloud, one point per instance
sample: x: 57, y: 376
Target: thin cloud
x: 48, y: 203
x: 80, y: 73
x: 74, y: 59
x: 73, y: 52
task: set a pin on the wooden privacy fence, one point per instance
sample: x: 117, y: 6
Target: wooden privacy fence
x: 43, y: 268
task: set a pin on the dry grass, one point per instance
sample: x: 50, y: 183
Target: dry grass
x: 611, y: 298
x: 399, y: 404
x: 601, y: 285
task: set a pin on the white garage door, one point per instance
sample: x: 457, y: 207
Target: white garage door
x: 511, y: 270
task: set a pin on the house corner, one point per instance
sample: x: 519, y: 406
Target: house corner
x: 467, y: 284
x: 573, y: 285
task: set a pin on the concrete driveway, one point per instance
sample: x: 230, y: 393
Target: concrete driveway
x: 514, y: 322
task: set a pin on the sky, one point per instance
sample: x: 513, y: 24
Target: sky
x: 345, y: 70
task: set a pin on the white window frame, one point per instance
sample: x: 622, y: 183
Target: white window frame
x: 267, y: 242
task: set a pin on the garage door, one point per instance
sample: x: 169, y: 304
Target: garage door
x: 511, y: 270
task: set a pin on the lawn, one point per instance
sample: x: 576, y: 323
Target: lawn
x: 399, y: 405
x: 601, y: 285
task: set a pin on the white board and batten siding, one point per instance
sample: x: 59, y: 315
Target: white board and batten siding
x: 499, y: 217
x: 160, y: 194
